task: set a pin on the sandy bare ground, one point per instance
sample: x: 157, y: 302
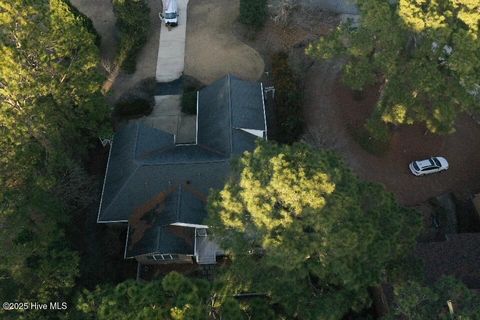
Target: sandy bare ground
x: 212, y: 50
x: 329, y: 108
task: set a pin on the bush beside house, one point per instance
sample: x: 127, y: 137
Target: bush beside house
x: 133, y: 106
x: 253, y: 13
x: 189, y: 101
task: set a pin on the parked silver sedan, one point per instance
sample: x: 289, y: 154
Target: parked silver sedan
x: 428, y: 166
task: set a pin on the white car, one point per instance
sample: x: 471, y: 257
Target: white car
x: 427, y: 166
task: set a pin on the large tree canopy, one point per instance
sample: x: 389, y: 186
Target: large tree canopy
x: 301, y: 228
x: 50, y: 108
x: 175, y: 297
x: 50, y: 99
x: 37, y: 263
x: 414, y: 301
x: 426, y: 53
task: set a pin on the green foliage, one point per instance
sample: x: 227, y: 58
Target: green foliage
x: 288, y: 100
x: 189, y: 100
x: 50, y: 96
x: 427, y: 53
x: 417, y: 302
x: 133, y: 22
x: 133, y: 107
x: 37, y: 264
x: 51, y: 108
x: 175, y: 297
x: 87, y: 23
x: 373, y: 137
x: 300, y: 227
x: 253, y: 13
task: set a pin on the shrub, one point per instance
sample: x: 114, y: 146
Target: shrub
x: 133, y: 22
x: 189, y: 100
x: 288, y: 100
x: 375, y: 144
x: 253, y: 13
x: 86, y: 22
x: 133, y: 107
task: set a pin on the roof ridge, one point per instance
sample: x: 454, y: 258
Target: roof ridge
x: 143, y: 164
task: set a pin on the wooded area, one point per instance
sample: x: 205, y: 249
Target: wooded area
x: 302, y: 233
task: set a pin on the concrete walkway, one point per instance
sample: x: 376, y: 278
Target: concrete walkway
x: 171, y: 51
x: 168, y: 116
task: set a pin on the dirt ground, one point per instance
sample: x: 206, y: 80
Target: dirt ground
x: 212, y: 50
x: 329, y: 111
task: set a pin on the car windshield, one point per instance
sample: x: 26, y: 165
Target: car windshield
x: 170, y: 15
x: 415, y: 166
x: 436, y: 162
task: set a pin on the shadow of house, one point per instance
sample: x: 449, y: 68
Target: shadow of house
x: 458, y: 256
x: 159, y: 187
x: 457, y: 252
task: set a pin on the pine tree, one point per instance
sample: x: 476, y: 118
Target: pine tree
x: 301, y: 228
x: 415, y: 301
x: 50, y: 100
x: 426, y: 54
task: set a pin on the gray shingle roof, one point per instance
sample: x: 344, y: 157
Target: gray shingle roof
x: 245, y: 98
x: 214, y: 117
x: 227, y: 104
x: 145, y: 162
x: 160, y: 239
x: 148, y: 180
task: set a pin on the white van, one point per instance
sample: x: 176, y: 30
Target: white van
x: 170, y: 13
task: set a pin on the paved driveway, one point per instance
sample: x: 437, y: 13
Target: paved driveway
x: 171, y: 51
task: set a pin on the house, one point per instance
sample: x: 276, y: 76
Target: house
x: 159, y: 188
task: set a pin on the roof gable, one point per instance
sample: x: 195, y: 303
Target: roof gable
x: 247, y: 105
x: 214, y: 117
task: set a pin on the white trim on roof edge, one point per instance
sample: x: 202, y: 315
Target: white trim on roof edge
x: 256, y: 133
x: 126, y: 241
x: 196, y: 118
x: 104, y: 181
x: 117, y: 221
x: 264, y: 113
x: 191, y: 225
